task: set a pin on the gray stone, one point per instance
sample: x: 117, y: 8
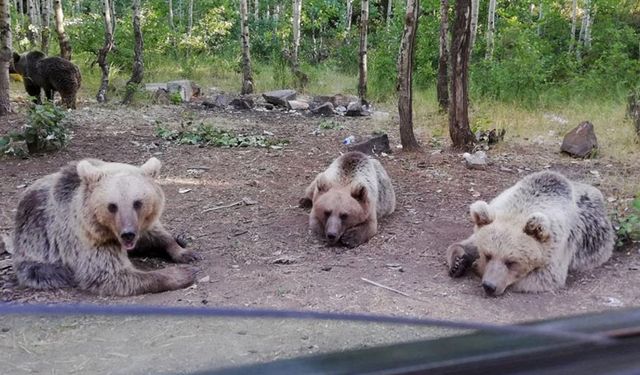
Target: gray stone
x: 279, y: 97
x: 374, y: 145
x: 242, y: 103
x: 155, y: 86
x: 325, y: 109
x: 336, y: 100
x: 220, y: 101
x: 298, y: 105
x: 580, y: 142
x: 355, y: 109
x: 184, y: 87
x: 477, y: 160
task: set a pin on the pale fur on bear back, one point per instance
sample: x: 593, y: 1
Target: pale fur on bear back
x: 363, y: 170
x: 581, y: 235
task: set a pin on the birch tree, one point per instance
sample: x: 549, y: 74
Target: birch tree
x: 540, y: 15
x: 389, y: 10
x: 137, y: 73
x: 247, y: 78
x: 297, y: 10
x: 171, y: 22
x: 442, y: 86
x: 349, y: 15
x: 190, y: 20
x: 45, y: 14
x: 475, y: 7
x: 364, y: 24
x: 34, y: 23
x: 459, y: 130
x: 574, y: 15
x: 256, y: 9
x: 101, y: 97
x: 491, y: 29
x: 405, y: 73
x: 63, y: 39
x: 5, y: 56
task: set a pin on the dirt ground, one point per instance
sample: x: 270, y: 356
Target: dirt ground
x: 244, y: 246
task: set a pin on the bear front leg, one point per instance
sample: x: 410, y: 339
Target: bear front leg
x: 159, y: 240
x: 130, y: 281
x: 460, y: 257
x: 33, y: 90
x: 307, y: 200
x: 359, y: 234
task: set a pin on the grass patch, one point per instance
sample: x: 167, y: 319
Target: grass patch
x: 208, y: 135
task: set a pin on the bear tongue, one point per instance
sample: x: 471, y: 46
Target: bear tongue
x: 128, y: 246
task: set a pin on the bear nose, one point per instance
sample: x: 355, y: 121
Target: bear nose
x: 128, y: 236
x: 331, y: 237
x: 489, y: 288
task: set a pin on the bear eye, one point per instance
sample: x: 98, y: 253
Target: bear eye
x: 112, y: 207
x: 487, y: 257
x: 327, y: 213
x: 510, y: 263
x: 343, y: 216
x: 137, y: 205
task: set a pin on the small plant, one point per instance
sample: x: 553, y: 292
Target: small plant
x: 44, y: 131
x: 329, y: 125
x: 208, y: 135
x: 175, y: 97
x: 628, y: 227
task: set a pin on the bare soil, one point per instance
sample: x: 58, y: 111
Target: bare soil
x: 262, y: 255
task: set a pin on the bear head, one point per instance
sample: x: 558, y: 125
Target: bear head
x: 509, y: 247
x: 121, y: 201
x: 338, y: 208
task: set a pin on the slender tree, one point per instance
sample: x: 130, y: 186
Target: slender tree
x: 574, y: 15
x: 101, y: 97
x: 442, y: 86
x: 459, y: 130
x: 45, y: 14
x: 256, y: 9
x: 349, y: 15
x: 33, y: 33
x: 540, y: 15
x: 247, y: 78
x: 388, y: 15
x: 405, y: 73
x: 475, y: 7
x: 63, y: 39
x: 364, y: 25
x: 138, y: 59
x: 5, y: 56
x: 190, y: 20
x: 491, y: 29
x: 297, y: 10
x: 171, y: 23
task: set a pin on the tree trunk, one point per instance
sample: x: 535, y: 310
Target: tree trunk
x: 101, y: 97
x: 459, y: 129
x: 247, y: 78
x: 5, y: 56
x: 45, y: 13
x: 491, y: 29
x: 138, y: 59
x: 442, y: 86
x: 405, y: 72
x: 364, y: 24
x: 540, y: 15
x: 574, y: 14
x: 63, y: 39
x: 588, y: 23
x: 389, y: 10
x: 349, y: 15
x: 297, y: 9
x: 256, y: 9
x: 171, y: 23
x: 475, y: 7
x: 190, y: 24
x: 33, y: 33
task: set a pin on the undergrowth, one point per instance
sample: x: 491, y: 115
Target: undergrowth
x: 208, y: 135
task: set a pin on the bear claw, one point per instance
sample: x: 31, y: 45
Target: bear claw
x: 187, y: 257
x: 460, y: 265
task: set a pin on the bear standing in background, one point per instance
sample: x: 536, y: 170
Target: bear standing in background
x: 533, y: 233
x: 49, y: 74
x: 348, y: 198
x: 76, y: 227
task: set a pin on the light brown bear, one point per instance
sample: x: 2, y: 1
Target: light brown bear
x: 77, y: 227
x: 348, y: 198
x: 532, y: 234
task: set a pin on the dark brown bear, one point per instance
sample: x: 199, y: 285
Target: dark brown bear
x: 49, y: 74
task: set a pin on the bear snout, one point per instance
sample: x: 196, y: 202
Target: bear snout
x: 128, y: 238
x: 489, y: 288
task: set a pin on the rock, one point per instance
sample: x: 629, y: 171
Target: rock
x: 355, y: 109
x: 269, y: 106
x: 279, y: 97
x: 580, y: 142
x: 184, y: 87
x: 220, y: 101
x: 155, y: 86
x: 325, y: 109
x: 161, y: 96
x: 341, y: 109
x: 297, y: 105
x: 375, y: 145
x: 242, y: 103
x: 477, y: 160
x: 336, y: 100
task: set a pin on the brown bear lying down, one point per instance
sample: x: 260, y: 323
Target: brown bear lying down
x: 348, y: 198
x: 531, y: 235
x: 77, y: 227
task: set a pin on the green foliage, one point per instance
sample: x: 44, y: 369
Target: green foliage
x: 44, y: 131
x: 208, y: 135
x: 628, y: 228
x: 175, y: 97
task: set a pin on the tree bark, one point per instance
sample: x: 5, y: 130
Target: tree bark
x: 491, y: 29
x: 138, y: 58
x: 171, y: 23
x: 256, y: 9
x: 101, y: 97
x: 5, y: 56
x: 459, y: 130
x: 45, y: 13
x: 475, y: 7
x: 247, y: 78
x: 63, y: 39
x: 33, y: 33
x: 190, y: 21
x: 364, y: 24
x: 405, y: 72
x: 297, y: 9
x: 442, y: 86
x: 574, y: 14
x: 349, y: 15
x: 389, y: 10
x: 540, y: 15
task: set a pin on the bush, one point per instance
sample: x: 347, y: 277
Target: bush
x: 45, y: 131
x: 628, y: 227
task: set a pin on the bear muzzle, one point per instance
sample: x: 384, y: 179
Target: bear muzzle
x: 128, y: 239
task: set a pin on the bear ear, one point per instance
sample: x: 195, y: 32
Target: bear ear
x: 359, y: 194
x: 88, y: 172
x: 538, y: 226
x: 322, y: 185
x: 481, y: 213
x: 16, y: 57
x: 152, y: 167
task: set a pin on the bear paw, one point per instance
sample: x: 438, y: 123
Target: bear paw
x: 352, y: 238
x: 459, y: 261
x: 186, y: 256
x: 305, y: 203
x: 180, y: 277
